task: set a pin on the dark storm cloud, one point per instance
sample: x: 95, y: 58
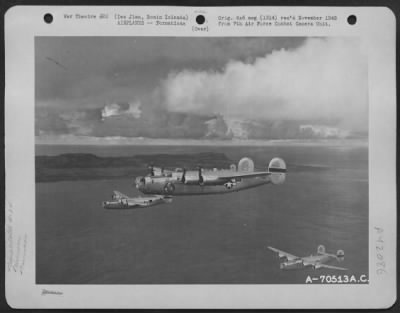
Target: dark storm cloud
x: 172, y: 87
x: 97, y: 70
x: 107, y: 86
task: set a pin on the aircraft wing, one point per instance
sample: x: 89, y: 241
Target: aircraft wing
x: 331, y: 267
x: 154, y: 197
x: 135, y: 205
x: 148, y: 201
x: 243, y: 175
x: 281, y: 253
x: 118, y: 195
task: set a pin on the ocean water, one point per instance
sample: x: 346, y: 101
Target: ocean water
x: 213, y: 239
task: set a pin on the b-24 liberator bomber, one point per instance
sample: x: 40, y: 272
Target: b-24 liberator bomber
x: 181, y: 182
x: 292, y: 262
x: 121, y: 201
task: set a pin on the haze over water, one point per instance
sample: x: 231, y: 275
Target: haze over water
x: 206, y: 239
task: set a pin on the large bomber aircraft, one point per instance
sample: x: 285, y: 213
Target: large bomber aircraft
x: 161, y: 184
x: 213, y: 181
x: 292, y: 262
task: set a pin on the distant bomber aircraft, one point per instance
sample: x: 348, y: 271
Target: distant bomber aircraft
x: 213, y: 181
x: 122, y: 201
x: 292, y: 262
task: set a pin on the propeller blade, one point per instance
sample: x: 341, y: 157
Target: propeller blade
x: 201, y: 178
x: 183, y: 179
x: 151, y: 169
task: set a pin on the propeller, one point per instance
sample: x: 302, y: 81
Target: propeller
x: 201, y: 178
x: 151, y: 169
x: 183, y: 179
x: 315, y: 266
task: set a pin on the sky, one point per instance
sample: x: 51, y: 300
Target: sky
x: 172, y: 87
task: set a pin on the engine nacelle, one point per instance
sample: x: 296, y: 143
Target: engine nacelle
x: 191, y: 178
x: 316, y: 266
x: 292, y: 265
x: 277, y: 168
x: 157, y: 171
x: 282, y: 258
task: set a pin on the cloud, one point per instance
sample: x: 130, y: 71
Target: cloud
x: 49, y: 123
x: 98, y: 70
x: 256, y: 88
x: 324, y: 79
x: 114, y: 109
x: 80, y: 122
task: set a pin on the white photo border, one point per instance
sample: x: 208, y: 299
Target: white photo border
x: 375, y: 26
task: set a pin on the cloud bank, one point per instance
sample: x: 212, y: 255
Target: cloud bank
x: 324, y: 79
x: 115, y: 109
x: 241, y: 88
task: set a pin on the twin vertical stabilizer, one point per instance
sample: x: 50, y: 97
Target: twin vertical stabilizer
x: 277, y: 168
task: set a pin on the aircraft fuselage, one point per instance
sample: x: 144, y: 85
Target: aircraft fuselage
x: 306, y: 262
x: 132, y: 203
x: 173, y: 187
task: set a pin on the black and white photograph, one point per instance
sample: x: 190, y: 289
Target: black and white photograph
x: 200, y: 160
x: 163, y: 157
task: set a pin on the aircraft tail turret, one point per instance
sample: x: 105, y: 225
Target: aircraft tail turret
x: 277, y: 168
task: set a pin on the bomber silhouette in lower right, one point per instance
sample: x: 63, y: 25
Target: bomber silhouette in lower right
x: 292, y: 262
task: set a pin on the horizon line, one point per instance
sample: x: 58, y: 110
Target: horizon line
x: 122, y: 141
